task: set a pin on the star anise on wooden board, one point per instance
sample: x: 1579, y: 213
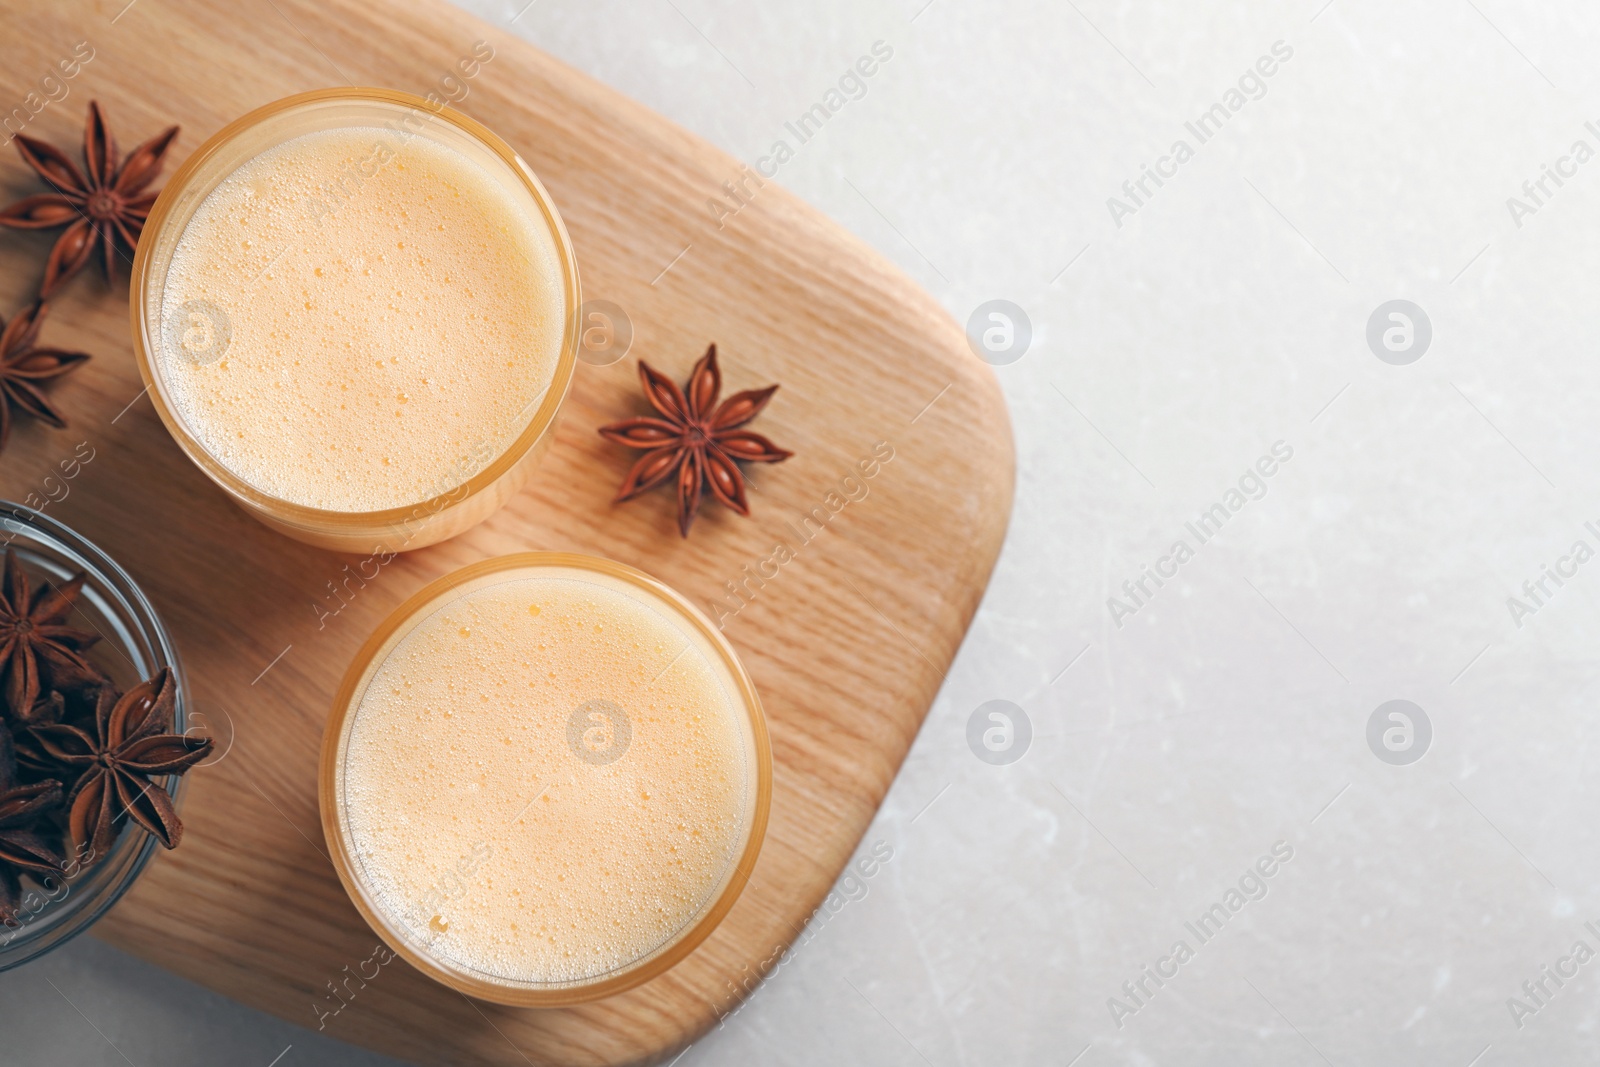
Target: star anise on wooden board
x: 128, y: 746
x: 37, y: 647
x: 102, y: 205
x: 23, y: 850
x: 24, y: 367
x: 695, y: 438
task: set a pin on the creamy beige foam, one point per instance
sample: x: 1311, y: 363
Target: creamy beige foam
x: 496, y: 837
x: 393, y: 316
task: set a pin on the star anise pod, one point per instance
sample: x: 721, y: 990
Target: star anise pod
x: 50, y: 708
x: 695, y: 438
x: 32, y: 760
x: 36, y: 644
x: 24, y: 367
x: 129, y: 745
x: 101, y: 205
x: 23, y: 850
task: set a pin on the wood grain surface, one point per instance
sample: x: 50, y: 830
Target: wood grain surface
x: 848, y: 644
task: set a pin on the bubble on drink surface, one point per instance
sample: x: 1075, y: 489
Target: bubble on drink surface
x: 323, y: 321
x: 200, y: 331
x: 667, y: 818
x: 598, y: 732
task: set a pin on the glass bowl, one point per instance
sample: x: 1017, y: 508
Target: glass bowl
x: 133, y: 646
x: 408, y: 939
x: 452, y: 508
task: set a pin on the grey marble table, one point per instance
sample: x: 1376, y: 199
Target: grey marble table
x: 1304, y: 421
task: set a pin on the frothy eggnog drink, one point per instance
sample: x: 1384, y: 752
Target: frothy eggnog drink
x: 547, y: 775
x: 355, y: 321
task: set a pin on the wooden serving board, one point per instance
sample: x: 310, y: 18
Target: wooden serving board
x: 848, y: 644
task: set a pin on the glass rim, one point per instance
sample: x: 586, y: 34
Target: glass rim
x: 363, y: 668
x: 146, y: 334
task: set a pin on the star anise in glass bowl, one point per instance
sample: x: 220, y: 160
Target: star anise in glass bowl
x: 99, y: 748
x: 115, y: 763
x: 37, y: 647
x: 24, y: 849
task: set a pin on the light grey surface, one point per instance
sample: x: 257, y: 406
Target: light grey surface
x: 1231, y: 711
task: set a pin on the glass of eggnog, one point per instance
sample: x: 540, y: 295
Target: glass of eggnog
x: 357, y: 313
x: 545, y: 779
